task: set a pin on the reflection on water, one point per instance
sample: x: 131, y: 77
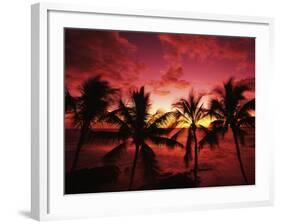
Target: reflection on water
x: 217, y: 167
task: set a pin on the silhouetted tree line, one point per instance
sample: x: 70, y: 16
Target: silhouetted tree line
x: 228, y: 110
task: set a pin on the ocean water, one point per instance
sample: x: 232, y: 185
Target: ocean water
x: 217, y: 167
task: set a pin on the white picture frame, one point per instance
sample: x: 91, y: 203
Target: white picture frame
x: 48, y: 201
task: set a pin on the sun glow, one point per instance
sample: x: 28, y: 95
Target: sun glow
x: 205, y: 122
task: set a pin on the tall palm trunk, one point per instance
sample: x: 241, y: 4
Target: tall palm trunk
x: 188, y: 153
x: 195, y: 156
x: 239, y: 155
x: 83, y: 132
x: 134, y: 167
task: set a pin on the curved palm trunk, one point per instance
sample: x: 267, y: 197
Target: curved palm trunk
x: 239, y: 155
x: 195, y: 157
x: 134, y: 167
x: 78, y: 147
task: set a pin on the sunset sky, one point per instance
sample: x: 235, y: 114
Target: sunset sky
x: 168, y: 65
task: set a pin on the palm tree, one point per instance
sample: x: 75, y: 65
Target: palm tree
x: 231, y: 110
x: 96, y: 96
x: 69, y: 102
x: 135, y: 123
x: 189, y: 113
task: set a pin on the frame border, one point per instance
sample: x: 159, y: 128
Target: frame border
x: 40, y: 86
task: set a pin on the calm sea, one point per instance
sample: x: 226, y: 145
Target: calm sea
x: 217, y: 167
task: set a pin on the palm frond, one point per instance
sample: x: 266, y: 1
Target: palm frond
x: 198, y: 101
x: 161, y: 124
x: 219, y: 91
x: 126, y: 113
x: 95, y: 95
x: 249, y: 105
x: 69, y: 102
x: 216, y: 109
x: 163, y: 121
x: 115, y: 153
x: 178, y: 133
x: 153, y: 117
x: 163, y: 141
x: 218, y: 123
x: 183, y: 123
x: 210, y: 137
x: 183, y: 107
x: 114, y: 119
x: 248, y: 121
x: 201, y: 113
x: 179, y: 115
x: 234, y: 93
x: 141, y: 102
x: 239, y: 90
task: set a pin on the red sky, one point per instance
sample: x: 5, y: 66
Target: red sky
x: 168, y: 65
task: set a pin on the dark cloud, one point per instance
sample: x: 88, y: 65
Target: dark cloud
x: 93, y: 52
x: 201, y: 47
x: 169, y: 78
x: 172, y: 77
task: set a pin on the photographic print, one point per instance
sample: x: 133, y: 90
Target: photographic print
x: 152, y: 111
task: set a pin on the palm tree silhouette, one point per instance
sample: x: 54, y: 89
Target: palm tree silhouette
x: 189, y: 113
x: 69, y: 102
x: 136, y: 123
x: 96, y: 96
x: 231, y: 110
